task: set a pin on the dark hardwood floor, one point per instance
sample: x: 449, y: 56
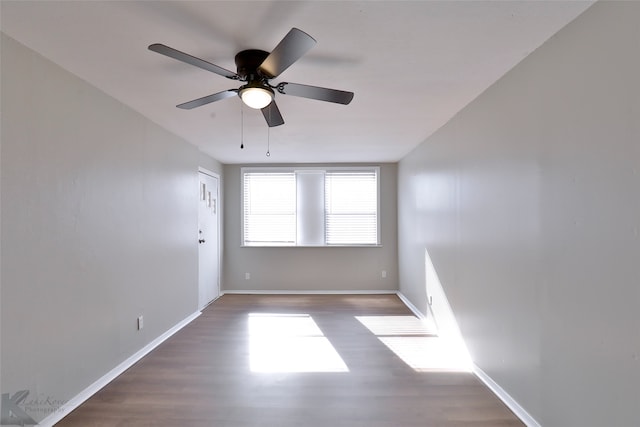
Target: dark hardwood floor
x: 329, y: 370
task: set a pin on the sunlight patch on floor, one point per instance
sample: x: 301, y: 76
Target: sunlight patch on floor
x: 415, y: 342
x: 290, y: 343
x: 397, y: 325
x: 427, y: 353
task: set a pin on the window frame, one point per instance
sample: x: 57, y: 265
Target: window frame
x: 295, y: 169
x: 242, y: 205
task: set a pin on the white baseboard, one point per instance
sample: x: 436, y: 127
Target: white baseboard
x: 111, y: 375
x: 305, y: 292
x: 511, y: 403
x: 410, y: 306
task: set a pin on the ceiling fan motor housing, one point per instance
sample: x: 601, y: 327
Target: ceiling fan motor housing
x: 248, y: 64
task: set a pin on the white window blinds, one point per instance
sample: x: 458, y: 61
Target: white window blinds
x: 269, y: 208
x: 351, y: 207
x: 310, y: 206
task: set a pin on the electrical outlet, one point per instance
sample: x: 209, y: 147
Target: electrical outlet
x: 140, y: 322
x: 247, y: 276
x: 384, y: 274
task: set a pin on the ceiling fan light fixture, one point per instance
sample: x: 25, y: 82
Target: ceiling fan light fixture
x: 256, y: 96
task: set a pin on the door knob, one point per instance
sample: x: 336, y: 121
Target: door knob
x: 200, y: 240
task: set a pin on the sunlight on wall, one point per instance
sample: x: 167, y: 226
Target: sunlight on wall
x: 443, y: 316
x: 415, y: 342
x: 290, y: 343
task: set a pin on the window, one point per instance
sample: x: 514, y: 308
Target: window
x: 351, y: 207
x: 269, y: 208
x: 310, y: 206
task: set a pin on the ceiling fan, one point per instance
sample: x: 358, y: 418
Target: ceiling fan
x: 256, y: 68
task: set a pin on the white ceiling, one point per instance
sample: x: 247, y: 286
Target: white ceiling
x: 412, y: 65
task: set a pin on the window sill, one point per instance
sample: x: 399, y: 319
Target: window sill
x: 310, y: 246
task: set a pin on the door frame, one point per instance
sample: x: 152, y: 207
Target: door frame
x: 219, y: 234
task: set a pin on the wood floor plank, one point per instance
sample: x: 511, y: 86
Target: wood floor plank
x: 201, y: 376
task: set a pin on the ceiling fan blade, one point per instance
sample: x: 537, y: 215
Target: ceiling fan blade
x: 192, y: 60
x: 291, y: 48
x: 208, y: 99
x: 272, y: 115
x: 314, y: 92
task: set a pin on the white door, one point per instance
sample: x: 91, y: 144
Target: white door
x: 208, y: 240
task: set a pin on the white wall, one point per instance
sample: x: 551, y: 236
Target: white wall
x: 307, y: 269
x: 99, y: 225
x: 527, y: 202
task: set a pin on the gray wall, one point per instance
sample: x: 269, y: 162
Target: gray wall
x: 99, y: 225
x: 527, y: 202
x: 306, y: 268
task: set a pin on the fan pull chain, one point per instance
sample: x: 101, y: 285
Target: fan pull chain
x: 241, y: 126
x: 268, y: 133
